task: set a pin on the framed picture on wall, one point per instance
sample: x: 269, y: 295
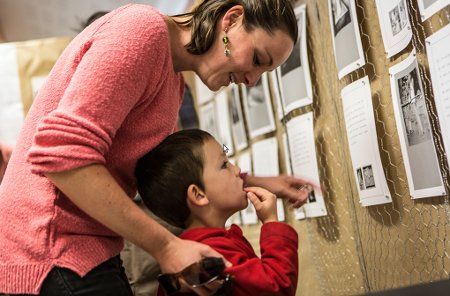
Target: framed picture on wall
x: 348, y: 51
x: 258, y: 108
x: 294, y: 77
x: 395, y: 25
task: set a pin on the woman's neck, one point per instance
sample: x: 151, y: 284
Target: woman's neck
x: 180, y: 36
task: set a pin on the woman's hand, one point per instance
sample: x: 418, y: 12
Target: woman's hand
x: 265, y: 203
x: 179, y: 254
x: 295, y: 190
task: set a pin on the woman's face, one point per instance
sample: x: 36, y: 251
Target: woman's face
x: 251, y: 54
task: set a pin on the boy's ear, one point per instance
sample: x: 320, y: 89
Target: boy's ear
x: 196, y: 196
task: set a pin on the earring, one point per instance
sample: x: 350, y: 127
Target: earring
x: 226, y: 41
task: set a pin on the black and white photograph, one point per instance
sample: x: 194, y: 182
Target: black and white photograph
x: 429, y: 7
x: 237, y: 119
x: 348, y: 51
x: 369, y: 180
x: 341, y: 14
x: 417, y: 124
x: 413, y: 126
x: 258, y: 108
x: 360, y: 179
x: 294, y: 76
x: 395, y: 25
x: 312, y: 196
x: 398, y: 18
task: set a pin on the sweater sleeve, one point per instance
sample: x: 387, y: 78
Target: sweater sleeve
x: 106, y: 71
x: 275, y: 273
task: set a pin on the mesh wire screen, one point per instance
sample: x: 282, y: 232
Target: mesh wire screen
x: 354, y: 250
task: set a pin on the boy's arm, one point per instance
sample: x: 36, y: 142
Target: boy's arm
x: 275, y: 273
x: 277, y: 270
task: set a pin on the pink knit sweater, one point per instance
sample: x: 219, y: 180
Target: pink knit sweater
x: 112, y: 96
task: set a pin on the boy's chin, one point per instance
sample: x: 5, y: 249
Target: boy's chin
x: 244, y: 205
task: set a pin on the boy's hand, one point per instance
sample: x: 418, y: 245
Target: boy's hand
x: 265, y: 203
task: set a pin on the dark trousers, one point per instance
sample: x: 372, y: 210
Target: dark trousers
x: 107, y: 279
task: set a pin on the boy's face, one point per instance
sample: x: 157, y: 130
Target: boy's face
x: 223, y: 184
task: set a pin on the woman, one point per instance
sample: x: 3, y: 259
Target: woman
x: 112, y: 96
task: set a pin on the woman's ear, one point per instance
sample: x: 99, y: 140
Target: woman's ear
x: 196, y: 196
x: 232, y: 16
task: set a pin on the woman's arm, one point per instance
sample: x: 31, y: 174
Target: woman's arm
x: 93, y: 189
x: 294, y: 189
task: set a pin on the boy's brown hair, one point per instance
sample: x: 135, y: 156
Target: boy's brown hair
x: 164, y: 174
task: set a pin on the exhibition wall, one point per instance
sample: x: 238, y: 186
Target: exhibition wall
x: 360, y: 108
x: 369, y: 240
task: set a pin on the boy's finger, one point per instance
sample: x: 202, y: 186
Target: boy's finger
x: 258, y: 191
x: 253, y: 198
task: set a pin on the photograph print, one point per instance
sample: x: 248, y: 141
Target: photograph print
x: 415, y: 116
x: 366, y: 179
x: 258, y: 108
x: 312, y: 197
x: 413, y: 126
x: 395, y: 25
x: 341, y: 14
x: 398, y: 18
x: 369, y: 180
x: 360, y: 179
x: 348, y: 51
x: 294, y: 76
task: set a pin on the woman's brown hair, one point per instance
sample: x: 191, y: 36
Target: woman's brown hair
x: 270, y: 15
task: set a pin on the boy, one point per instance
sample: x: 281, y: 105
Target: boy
x: 188, y: 181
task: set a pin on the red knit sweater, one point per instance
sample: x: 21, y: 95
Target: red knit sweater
x: 275, y: 273
x: 112, y: 96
